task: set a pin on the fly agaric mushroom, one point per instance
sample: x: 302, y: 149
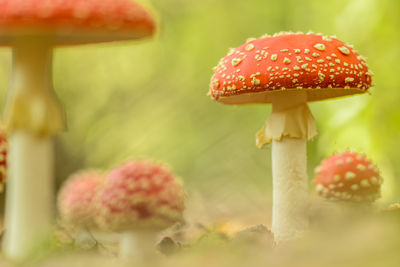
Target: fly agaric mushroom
x: 32, y: 113
x: 348, y: 176
x: 76, y: 197
x: 288, y: 70
x: 139, y: 199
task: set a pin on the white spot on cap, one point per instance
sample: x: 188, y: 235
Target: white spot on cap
x: 326, y: 38
x: 371, y: 166
x: 369, y: 73
x: 236, y: 61
x: 365, y: 183
x: 286, y: 60
x: 249, y: 47
x: 255, y: 81
x: 336, y: 178
x: 344, y: 50
x: 216, y: 83
x: 339, y: 162
x: 350, y: 175
x: 361, y: 167
x: 349, y: 160
x: 304, y: 66
x: 231, y: 51
x: 319, y: 187
x: 320, y: 47
x: 354, y: 187
x: 374, y: 180
x: 348, y: 79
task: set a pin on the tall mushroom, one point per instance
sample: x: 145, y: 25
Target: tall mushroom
x: 32, y: 113
x: 139, y: 199
x: 288, y: 70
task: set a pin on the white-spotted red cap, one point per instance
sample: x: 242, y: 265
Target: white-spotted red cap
x: 140, y: 195
x: 74, y: 21
x: 76, y: 197
x: 348, y: 176
x: 323, y: 66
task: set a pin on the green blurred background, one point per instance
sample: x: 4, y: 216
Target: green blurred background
x: 148, y: 99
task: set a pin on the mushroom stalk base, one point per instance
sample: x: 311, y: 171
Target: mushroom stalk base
x: 137, y: 246
x: 290, y: 189
x: 29, y: 196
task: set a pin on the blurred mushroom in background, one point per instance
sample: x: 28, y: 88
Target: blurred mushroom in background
x: 32, y: 113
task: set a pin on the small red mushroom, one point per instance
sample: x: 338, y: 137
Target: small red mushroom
x: 76, y: 197
x: 139, y: 199
x: 348, y: 176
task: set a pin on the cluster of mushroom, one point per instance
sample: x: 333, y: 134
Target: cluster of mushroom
x: 32, y: 112
x: 137, y: 199
x: 288, y: 70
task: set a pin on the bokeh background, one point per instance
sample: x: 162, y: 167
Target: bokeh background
x: 148, y: 99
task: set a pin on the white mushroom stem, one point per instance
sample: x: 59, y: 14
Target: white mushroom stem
x: 290, y: 189
x: 29, y: 199
x: 289, y: 171
x: 137, y: 246
x: 32, y: 114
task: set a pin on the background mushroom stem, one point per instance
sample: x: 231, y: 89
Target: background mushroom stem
x: 137, y: 246
x: 290, y: 183
x: 32, y: 114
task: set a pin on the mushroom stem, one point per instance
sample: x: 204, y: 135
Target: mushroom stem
x: 290, y: 182
x: 290, y: 189
x: 32, y: 113
x: 29, y: 198
x: 31, y: 103
x: 137, y: 246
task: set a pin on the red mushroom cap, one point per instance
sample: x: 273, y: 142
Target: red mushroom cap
x: 76, y: 197
x: 140, y: 195
x: 74, y: 21
x: 323, y: 66
x: 3, y: 158
x: 348, y: 176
